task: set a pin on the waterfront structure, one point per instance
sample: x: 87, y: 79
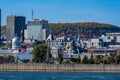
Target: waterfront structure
x: 38, y: 30
x: 15, y: 24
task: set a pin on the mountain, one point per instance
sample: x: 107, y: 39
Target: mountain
x: 85, y: 30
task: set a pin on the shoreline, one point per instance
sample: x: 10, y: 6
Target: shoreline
x: 34, y: 67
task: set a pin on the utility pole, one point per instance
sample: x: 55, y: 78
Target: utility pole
x: 47, y: 55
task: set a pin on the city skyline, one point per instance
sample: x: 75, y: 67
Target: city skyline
x: 104, y: 11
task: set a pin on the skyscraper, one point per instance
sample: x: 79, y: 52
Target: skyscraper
x: 38, y: 29
x: 15, y: 24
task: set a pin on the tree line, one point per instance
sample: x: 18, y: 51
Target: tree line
x: 85, y: 30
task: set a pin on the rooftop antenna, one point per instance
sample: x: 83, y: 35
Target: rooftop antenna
x: 32, y: 13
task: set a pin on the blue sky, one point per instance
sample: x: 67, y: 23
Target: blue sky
x: 104, y: 11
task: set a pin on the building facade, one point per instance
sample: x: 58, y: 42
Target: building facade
x: 15, y: 24
x: 0, y: 25
x: 38, y: 30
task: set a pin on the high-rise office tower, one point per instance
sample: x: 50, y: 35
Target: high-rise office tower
x: 15, y: 24
x: 38, y: 29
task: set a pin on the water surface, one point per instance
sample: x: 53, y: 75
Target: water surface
x: 58, y: 76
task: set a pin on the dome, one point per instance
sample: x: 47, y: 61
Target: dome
x: 103, y: 36
x: 15, y: 40
x: 15, y: 43
x: 54, y: 48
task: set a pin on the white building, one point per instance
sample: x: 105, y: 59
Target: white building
x: 37, y: 29
x: 114, y: 36
x: 91, y: 42
x: 54, y: 52
x: 16, y: 43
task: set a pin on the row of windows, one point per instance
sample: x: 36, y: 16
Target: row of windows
x: 34, y: 23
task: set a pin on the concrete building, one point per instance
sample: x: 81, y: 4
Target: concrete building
x: 110, y: 39
x: 15, y: 24
x: 89, y: 43
x: 38, y: 30
x: 102, y: 51
x: 99, y: 52
x: 103, y: 41
x: 0, y: 25
x: 114, y: 36
x: 54, y: 52
x: 26, y: 33
x: 70, y: 56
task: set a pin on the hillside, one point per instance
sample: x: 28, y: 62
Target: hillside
x: 85, y: 30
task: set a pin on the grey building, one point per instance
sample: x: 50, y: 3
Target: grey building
x: 38, y: 29
x: 15, y: 24
x: 0, y: 25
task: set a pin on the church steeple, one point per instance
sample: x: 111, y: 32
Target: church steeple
x: 78, y: 38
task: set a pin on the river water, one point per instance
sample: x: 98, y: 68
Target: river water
x: 58, y: 76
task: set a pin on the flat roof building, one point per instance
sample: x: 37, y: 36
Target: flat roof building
x: 38, y: 29
x: 15, y: 24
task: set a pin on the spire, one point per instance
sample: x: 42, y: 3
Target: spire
x: 78, y: 38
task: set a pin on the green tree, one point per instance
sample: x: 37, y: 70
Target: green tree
x: 25, y: 60
x: 97, y: 61
x: 104, y: 59
x: 39, y: 53
x: 2, y: 59
x: 85, y: 60
x: 60, y: 58
x: 9, y: 59
x: 117, y: 59
x: 60, y: 55
x: 78, y: 60
x: 110, y: 59
x: 91, y: 60
x: 66, y: 62
x: 75, y: 60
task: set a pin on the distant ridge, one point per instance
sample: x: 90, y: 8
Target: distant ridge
x: 83, y: 24
x: 86, y: 30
